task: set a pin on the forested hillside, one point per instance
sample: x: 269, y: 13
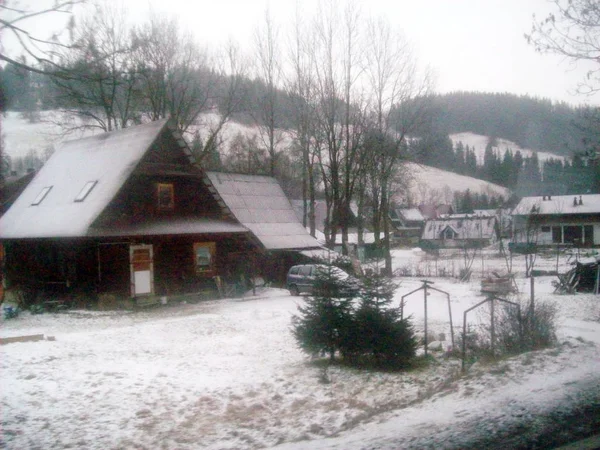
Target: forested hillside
x: 539, y: 124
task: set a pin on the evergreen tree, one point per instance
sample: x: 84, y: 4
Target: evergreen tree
x: 381, y: 336
x: 459, y: 158
x: 325, y: 319
x: 471, y: 162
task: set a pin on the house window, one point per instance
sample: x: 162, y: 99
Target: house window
x: 448, y: 234
x: 545, y: 229
x: 588, y: 234
x: 86, y: 190
x: 204, y: 255
x: 41, y: 196
x: 574, y: 234
x: 165, y: 196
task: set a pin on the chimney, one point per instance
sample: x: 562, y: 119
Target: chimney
x: 580, y: 201
x: 575, y: 201
x: 549, y: 197
x: 544, y: 199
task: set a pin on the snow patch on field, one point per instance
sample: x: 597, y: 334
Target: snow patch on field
x: 227, y: 374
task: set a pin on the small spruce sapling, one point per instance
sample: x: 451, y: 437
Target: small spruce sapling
x: 380, y: 334
x: 323, y: 321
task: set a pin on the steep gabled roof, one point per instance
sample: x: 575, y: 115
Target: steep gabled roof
x: 107, y: 159
x: 259, y: 203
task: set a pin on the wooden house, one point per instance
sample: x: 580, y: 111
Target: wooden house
x: 558, y: 220
x: 131, y: 214
x: 407, y: 225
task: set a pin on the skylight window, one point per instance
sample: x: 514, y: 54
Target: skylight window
x: 85, y: 191
x: 41, y: 196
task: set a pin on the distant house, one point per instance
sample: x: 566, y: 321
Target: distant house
x: 504, y: 219
x: 408, y: 224
x: 131, y: 214
x: 431, y: 211
x: 460, y: 230
x: 562, y: 219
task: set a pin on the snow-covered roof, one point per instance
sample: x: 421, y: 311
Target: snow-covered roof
x: 410, y: 214
x: 171, y: 226
x: 48, y: 206
x: 559, y: 204
x: 464, y: 225
x: 259, y: 203
x: 485, y: 212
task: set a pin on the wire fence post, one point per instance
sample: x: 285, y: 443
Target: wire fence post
x: 425, y: 302
x: 492, y: 330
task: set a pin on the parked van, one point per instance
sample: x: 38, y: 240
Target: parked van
x: 301, y: 278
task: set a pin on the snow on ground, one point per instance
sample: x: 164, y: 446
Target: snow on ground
x: 447, y: 182
x: 22, y: 136
x: 480, y: 142
x: 227, y: 374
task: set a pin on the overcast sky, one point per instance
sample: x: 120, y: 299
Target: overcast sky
x: 472, y: 45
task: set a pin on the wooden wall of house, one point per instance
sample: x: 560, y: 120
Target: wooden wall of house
x: 52, y: 266
x: 138, y: 201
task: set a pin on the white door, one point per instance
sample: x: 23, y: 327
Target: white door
x: 142, y: 270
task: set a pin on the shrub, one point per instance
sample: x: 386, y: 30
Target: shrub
x: 514, y: 333
x: 532, y: 330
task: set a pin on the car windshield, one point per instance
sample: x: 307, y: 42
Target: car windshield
x: 335, y: 271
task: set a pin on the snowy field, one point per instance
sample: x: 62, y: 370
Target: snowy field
x: 227, y: 374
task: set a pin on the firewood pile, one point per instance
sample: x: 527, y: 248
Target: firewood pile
x: 583, y: 277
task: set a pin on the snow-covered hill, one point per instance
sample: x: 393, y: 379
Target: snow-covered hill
x: 431, y: 185
x: 428, y: 184
x: 480, y: 142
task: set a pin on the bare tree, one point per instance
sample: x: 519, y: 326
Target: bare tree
x: 300, y: 89
x: 269, y: 71
x: 177, y: 77
x: 15, y: 20
x: 339, y: 111
x: 398, y: 100
x: 232, y: 68
x: 573, y: 31
x: 97, y: 79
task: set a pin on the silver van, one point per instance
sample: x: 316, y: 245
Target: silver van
x: 301, y: 278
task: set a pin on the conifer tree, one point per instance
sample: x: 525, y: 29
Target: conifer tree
x: 379, y: 333
x: 325, y: 318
